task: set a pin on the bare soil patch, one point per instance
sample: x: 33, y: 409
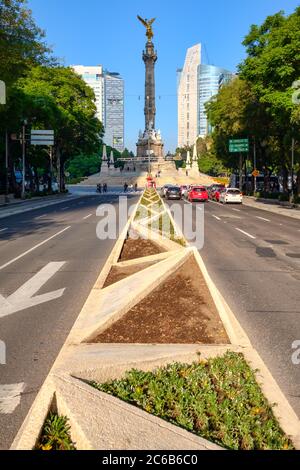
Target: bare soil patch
x: 138, y: 248
x: 181, y: 310
x: 117, y: 272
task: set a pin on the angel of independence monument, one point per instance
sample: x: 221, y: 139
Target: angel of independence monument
x: 149, y: 146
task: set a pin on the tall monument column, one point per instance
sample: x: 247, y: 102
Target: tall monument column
x: 149, y: 57
x: 150, y: 145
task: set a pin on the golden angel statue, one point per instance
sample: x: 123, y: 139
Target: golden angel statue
x: 148, y: 25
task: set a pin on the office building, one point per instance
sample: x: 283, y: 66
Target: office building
x: 109, y: 99
x: 210, y: 79
x: 187, y: 85
x: 196, y: 84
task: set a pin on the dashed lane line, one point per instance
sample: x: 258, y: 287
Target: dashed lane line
x: 87, y: 216
x: 245, y: 233
x: 216, y: 217
x: 262, y: 218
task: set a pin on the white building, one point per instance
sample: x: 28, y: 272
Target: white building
x: 109, y: 92
x: 197, y: 84
x: 187, y: 87
x: 93, y: 76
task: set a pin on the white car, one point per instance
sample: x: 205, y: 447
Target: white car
x: 231, y: 195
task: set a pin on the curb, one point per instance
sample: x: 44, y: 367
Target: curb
x: 293, y: 213
x: 22, y: 209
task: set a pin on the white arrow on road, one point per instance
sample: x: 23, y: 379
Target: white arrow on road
x: 24, y: 297
x: 10, y: 397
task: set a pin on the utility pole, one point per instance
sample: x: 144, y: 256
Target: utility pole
x: 51, y: 164
x: 254, y: 162
x: 292, y: 172
x: 241, y: 172
x: 23, y: 157
x: 6, y: 167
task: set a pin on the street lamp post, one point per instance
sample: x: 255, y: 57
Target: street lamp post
x: 6, y: 167
x: 23, y: 157
x: 254, y: 162
x: 292, y: 170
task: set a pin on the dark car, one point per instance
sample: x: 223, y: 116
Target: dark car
x: 173, y: 192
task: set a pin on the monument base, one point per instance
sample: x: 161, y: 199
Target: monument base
x: 150, y: 141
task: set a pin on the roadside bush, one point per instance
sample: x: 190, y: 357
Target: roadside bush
x: 284, y: 197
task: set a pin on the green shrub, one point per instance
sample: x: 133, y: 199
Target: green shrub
x: 284, y: 197
x: 56, y: 434
x: 218, y: 399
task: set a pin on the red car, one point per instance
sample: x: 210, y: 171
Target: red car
x: 198, y: 193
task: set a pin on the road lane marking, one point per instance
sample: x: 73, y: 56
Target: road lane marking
x: 262, y: 218
x: 237, y: 210
x: 65, y: 208
x: 10, y: 397
x: 216, y: 217
x: 245, y: 233
x: 87, y: 216
x: 2, y: 229
x: 25, y: 297
x: 40, y: 216
x: 33, y: 248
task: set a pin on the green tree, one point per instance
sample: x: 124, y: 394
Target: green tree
x: 272, y: 66
x: 57, y: 98
x: 21, y: 41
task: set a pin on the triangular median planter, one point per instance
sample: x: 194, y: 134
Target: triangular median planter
x: 103, y: 307
x: 101, y: 421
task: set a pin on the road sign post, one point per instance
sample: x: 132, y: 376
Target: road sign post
x: 239, y: 146
x: 42, y: 137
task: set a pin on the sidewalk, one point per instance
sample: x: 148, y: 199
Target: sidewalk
x: 18, y: 206
x: 272, y: 206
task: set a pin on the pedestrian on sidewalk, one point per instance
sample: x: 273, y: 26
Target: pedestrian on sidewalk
x: 105, y: 188
x: 125, y: 187
x: 135, y: 187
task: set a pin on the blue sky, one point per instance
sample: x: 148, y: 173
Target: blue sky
x: 91, y: 32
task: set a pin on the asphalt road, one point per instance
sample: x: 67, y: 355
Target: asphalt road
x: 55, y: 251
x: 253, y: 256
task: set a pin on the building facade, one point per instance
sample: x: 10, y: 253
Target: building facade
x: 114, y: 110
x: 196, y: 84
x: 187, y: 84
x: 93, y: 77
x: 210, y: 78
x: 109, y: 93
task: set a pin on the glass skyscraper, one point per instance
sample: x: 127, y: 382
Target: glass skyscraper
x: 210, y: 78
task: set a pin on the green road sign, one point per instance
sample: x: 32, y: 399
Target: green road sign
x: 239, y: 145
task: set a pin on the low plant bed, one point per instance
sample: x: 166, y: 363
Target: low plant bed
x: 55, y: 434
x: 180, y: 310
x: 137, y: 248
x: 217, y: 399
